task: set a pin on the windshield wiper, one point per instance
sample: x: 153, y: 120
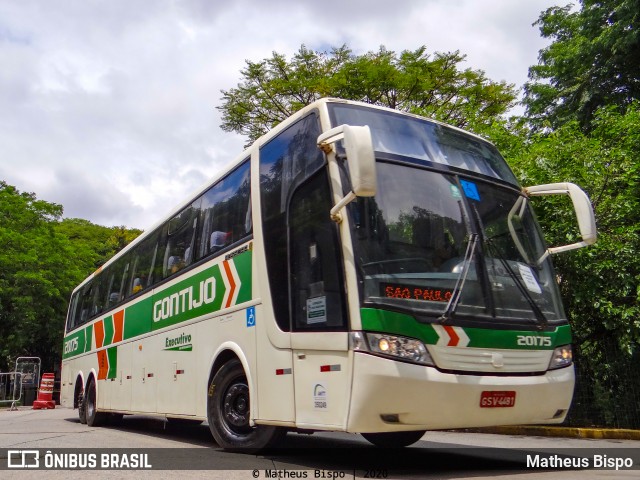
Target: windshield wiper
x: 457, y: 290
x: 542, y: 320
x: 532, y: 303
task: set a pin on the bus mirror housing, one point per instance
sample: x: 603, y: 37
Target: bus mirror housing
x: 581, y: 205
x: 358, y: 147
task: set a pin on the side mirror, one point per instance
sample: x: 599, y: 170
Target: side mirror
x: 362, y: 163
x: 582, y: 207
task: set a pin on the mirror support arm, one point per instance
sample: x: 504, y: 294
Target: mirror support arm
x: 359, y: 150
x: 581, y: 205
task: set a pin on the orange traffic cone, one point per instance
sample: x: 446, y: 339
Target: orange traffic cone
x: 45, y: 394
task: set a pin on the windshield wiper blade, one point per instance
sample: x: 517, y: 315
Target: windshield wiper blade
x: 457, y: 290
x: 542, y: 319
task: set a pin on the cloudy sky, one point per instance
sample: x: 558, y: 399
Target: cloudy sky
x: 108, y: 107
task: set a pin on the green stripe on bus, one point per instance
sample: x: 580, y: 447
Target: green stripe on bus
x: 88, y: 334
x: 400, y: 324
x: 195, y: 296
x: 200, y: 294
x: 137, y: 318
x: 108, y: 330
x: 112, y: 353
x: 376, y: 320
x: 243, y: 266
x: 74, y: 344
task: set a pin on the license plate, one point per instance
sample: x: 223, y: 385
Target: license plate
x: 497, y: 399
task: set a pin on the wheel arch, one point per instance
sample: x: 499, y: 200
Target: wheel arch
x: 92, y: 375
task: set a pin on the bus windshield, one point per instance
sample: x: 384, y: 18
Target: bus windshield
x: 412, y: 243
x: 425, y: 140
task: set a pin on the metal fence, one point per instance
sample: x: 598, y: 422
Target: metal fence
x: 11, y: 389
x: 607, y: 390
x: 20, y: 386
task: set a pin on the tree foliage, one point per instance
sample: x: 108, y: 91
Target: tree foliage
x: 432, y: 85
x: 593, y: 61
x: 582, y: 125
x: 600, y: 284
x: 42, y: 258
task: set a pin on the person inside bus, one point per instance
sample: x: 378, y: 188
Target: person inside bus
x: 137, y: 285
x: 218, y: 240
x: 175, y: 264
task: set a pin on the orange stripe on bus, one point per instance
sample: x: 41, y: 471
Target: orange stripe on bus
x: 103, y: 365
x: 98, y: 330
x: 232, y: 283
x: 118, y: 326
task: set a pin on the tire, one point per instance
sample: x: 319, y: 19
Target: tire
x: 394, y: 439
x: 94, y: 418
x: 82, y: 415
x: 228, y: 412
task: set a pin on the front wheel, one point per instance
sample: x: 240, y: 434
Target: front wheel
x: 228, y: 412
x: 394, y: 439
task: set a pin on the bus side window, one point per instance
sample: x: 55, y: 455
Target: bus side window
x: 141, y: 272
x: 71, y: 321
x: 98, y: 299
x: 285, y: 161
x: 85, y: 305
x: 316, y: 273
x: 113, y: 290
x: 181, y: 235
x: 224, y: 211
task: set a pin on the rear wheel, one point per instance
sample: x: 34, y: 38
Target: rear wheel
x: 94, y: 418
x: 228, y: 412
x: 394, y: 439
x: 80, y: 402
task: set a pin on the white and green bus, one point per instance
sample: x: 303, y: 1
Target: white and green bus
x: 357, y: 269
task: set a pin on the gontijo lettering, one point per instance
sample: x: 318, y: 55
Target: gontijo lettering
x: 185, y: 300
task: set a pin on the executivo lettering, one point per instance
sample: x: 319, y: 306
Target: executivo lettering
x: 185, y: 300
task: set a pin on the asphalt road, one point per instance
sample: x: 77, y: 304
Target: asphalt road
x: 192, y: 451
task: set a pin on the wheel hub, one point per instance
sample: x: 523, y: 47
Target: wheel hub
x: 236, y: 406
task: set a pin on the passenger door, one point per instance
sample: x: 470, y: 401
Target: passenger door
x: 319, y: 336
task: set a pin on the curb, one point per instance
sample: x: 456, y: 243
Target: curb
x: 572, y: 432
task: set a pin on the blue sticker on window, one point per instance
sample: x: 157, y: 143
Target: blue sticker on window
x: 251, y: 317
x: 470, y: 190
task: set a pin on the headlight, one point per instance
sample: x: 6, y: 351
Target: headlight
x: 562, y: 357
x: 393, y: 346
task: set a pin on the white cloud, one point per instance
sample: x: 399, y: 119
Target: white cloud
x: 109, y: 107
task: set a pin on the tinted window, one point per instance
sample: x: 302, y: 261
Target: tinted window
x: 180, y: 240
x: 316, y: 269
x: 422, y: 139
x: 85, y: 309
x: 71, y: 321
x: 116, y: 274
x: 144, y: 257
x: 225, y: 212
x: 285, y: 162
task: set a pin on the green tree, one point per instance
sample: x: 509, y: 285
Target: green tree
x: 600, y: 285
x: 42, y: 258
x: 37, y: 272
x: 593, y: 61
x: 97, y: 243
x: 432, y: 85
